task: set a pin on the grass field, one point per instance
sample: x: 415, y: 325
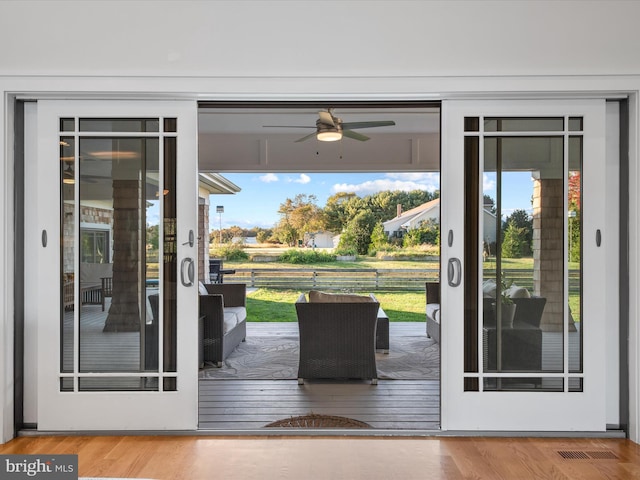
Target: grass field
x: 271, y: 305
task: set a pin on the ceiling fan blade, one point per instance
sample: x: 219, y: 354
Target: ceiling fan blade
x: 288, y: 126
x: 380, y: 123
x: 306, y: 137
x: 354, y: 135
x: 326, y: 118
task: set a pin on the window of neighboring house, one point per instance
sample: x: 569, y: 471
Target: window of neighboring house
x: 95, y: 246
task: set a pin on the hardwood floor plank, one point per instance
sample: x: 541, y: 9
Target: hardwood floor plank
x: 320, y: 458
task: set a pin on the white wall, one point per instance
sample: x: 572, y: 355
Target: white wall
x: 311, y: 49
x: 319, y: 38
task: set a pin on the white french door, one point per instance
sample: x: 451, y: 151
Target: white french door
x: 117, y: 314
x: 523, y: 222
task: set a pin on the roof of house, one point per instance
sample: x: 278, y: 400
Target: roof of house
x: 409, y: 214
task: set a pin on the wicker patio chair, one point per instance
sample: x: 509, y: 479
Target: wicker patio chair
x: 337, y: 340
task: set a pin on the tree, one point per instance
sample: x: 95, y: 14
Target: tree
x: 335, y: 213
x: 299, y: 216
x: 575, y: 197
x: 575, y: 215
x: 153, y: 237
x: 357, y: 234
x: 263, y: 234
x: 379, y: 239
x: 343, y: 207
x: 521, y: 220
x: 515, y: 241
x: 285, y: 233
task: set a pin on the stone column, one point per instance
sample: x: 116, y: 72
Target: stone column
x: 203, y: 240
x: 124, y: 313
x: 548, y: 249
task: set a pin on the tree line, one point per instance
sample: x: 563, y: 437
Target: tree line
x: 359, y: 220
x: 345, y: 213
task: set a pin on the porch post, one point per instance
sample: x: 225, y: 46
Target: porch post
x: 548, y: 250
x: 124, y: 313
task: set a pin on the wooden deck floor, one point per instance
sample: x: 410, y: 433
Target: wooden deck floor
x: 252, y: 404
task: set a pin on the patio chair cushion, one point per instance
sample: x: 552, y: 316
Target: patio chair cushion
x: 239, y: 312
x: 518, y: 292
x: 316, y: 296
x: 489, y: 289
x: 433, y: 311
x: 514, y: 291
x: 229, y: 322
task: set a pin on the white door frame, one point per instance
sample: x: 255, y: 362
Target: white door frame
x: 114, y: 410
x: 252, y: 89
x: 523, y: 411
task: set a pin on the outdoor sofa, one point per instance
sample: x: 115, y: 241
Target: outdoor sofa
x: 222, y: 325
x: 337, y: 336
x: 223, y: 314
x: 521, y: 342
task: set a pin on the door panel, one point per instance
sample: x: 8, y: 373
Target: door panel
x: 116, y: 207
x: 522, y: 350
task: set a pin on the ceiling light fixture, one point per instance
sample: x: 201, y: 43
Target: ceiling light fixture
x: 328, y: 133
x: 68, y: 176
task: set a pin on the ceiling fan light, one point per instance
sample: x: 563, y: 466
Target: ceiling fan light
x: 329, y: 136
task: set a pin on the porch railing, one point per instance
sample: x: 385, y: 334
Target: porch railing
x: 352, y: 279
x: 361, y: 279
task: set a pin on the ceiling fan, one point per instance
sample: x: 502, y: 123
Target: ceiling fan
x: 330, y: 128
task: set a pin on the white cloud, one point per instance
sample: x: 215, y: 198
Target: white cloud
x: 392, y: 181
x: 303, y: 179
x: 488, y: 183
x: 430, y: 177
x: 268, y: 178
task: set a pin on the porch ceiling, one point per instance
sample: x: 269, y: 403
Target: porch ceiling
x: 242, y: 140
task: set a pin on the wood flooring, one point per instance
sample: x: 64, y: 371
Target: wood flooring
x: 340, y: 458
x: 251, y: 404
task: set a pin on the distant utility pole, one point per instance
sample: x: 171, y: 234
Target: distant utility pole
x: 220, y: 211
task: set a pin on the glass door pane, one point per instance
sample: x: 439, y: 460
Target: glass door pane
x: 523, y: 269
x: 117, y: 220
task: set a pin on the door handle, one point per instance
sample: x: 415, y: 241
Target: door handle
x: 188, y: 262
x: 191, y: 240
x: 454, y: 272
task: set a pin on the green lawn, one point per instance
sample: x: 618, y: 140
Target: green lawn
x: 271, y: 305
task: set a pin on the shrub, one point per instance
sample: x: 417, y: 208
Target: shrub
x: 427, y: 232
x: 305, y: 256
x: 344, y: 251
x: 231, y: 251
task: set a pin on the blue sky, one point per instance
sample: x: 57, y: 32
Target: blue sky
x: 262, y: 193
